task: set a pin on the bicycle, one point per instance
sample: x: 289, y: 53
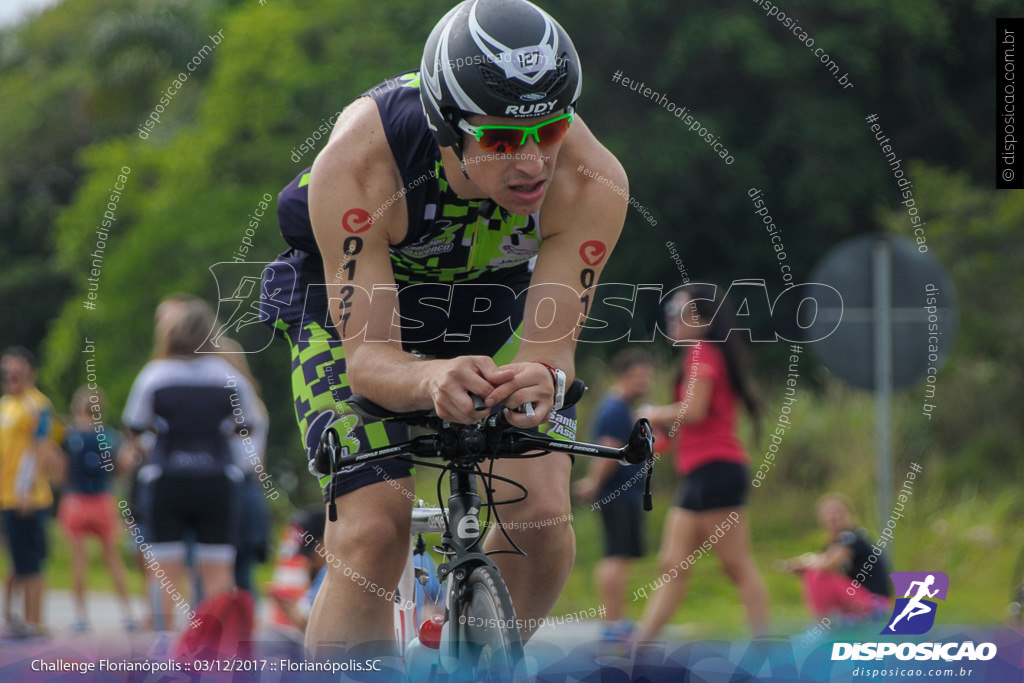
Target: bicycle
x: 480, y: 630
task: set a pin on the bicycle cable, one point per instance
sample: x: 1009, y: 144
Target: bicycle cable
x: 491, y: 503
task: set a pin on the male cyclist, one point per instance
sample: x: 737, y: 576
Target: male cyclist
x: 441, y: 197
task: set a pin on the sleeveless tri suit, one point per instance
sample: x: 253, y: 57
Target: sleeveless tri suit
x: 457, y: 252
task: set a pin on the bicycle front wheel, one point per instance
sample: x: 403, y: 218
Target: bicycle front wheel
x: 487, y: 633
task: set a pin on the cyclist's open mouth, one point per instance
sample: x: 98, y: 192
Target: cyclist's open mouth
x: 529, y: 192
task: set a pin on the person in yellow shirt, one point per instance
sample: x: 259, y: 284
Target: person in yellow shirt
x: 26, y: 449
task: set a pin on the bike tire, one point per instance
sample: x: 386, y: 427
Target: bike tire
x: 487, y: 633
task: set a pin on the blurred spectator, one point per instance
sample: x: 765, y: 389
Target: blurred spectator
x: 828, y: 577
x: 617, y: 490
x: 87, y: 507
x: 196, y: 403
x: 28, y: 455
x: 132, y: 457
x: 711, y: 383
x: 250, y: 450
x: 308, y: 530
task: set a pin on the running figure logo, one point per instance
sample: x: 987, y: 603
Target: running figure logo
x: 914, y: 613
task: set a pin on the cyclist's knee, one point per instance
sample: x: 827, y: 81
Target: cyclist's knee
x: 369, y: 536
x: 545, y: 512
x: 550, y: 536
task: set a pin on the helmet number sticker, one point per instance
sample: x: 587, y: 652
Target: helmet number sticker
x: 528, y: 64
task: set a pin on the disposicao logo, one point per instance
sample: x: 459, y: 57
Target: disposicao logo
x: 914, y: 613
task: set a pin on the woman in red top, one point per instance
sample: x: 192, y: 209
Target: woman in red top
x: 709, y: 512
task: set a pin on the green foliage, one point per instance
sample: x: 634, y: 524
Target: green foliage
x: 977, y: 237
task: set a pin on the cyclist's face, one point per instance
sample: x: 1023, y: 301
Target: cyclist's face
x: 517, y: 180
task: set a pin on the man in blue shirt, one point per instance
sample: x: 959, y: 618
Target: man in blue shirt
x: 617, y: 490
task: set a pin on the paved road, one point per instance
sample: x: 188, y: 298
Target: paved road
x: 107, y: 637
x: 108, y: 640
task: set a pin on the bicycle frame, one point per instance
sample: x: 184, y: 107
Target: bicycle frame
x: 425, y: 520
x: 463, y: 448
x: 461, y: 538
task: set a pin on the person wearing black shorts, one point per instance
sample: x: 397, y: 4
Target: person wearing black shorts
x: 27, y: 450
x: 709, y: 512
x: 714, y: 486
x: 617, y: 490
x: 196, y: 402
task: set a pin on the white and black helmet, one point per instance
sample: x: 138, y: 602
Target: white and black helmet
x: 505, y: 58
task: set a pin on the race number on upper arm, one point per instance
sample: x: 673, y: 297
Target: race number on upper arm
x: 349, y: 183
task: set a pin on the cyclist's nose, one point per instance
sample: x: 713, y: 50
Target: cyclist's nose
x: 528, y: 159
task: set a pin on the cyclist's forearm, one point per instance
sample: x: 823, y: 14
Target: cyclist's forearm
x: 390, y: 377
x: 557, y: 355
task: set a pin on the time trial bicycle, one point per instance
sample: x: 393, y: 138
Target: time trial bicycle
x: 479, y: 634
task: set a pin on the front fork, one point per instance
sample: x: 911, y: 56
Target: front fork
x: 463, y: 536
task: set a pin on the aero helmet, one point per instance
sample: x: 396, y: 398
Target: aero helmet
x: 505, y: 58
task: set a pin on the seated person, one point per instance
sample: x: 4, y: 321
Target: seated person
x: 847, y: 577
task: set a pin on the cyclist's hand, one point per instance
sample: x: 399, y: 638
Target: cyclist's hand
x: 519, y: 383
x: 451, y: 382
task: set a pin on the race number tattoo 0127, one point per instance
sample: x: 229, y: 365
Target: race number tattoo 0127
x: 352, y: 222
x: 587, y: 281
x: 352, y: 246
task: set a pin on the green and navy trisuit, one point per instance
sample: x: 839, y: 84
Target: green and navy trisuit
x: 457, y: 253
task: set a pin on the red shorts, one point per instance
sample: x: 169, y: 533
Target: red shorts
x: 827, y: 592
x: 85, y: 513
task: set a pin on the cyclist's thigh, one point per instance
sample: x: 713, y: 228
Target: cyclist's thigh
x: 372, y: 519
x: 546, y: 478
x: 320, y: 387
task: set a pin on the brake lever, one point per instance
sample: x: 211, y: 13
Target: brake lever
x: 641, y: 440
x: 333, y: 444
